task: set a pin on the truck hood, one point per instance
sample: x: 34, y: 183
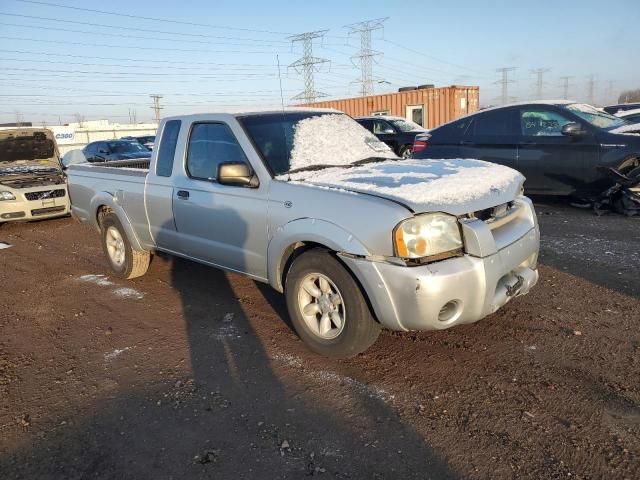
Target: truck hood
x: 26, y: 149
x: 456, y: 187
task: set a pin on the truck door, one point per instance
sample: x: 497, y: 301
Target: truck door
x: 158, y: 196
x: 223, y: 225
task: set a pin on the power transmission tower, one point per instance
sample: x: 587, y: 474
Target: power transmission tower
x: 366, y: 55
x: 156, y: 106
x: 565, y: 86
x: 504, y: 82
x: 591, y: 88
x: 308, y: 64
x: 539, y: 72
x: 610, y: 97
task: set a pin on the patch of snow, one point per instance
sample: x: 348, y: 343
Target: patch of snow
x: 4, y: 245
x: 335, y: 140
x: 115, y: 353
x: 101, y: 280
x: 125, y: 292
x: 453, y: 186
x: 324, y: 377
x: 626, y: 113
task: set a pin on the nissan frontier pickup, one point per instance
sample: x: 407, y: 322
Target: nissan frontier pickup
x: 312, y: 203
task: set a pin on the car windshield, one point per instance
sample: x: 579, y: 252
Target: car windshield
x: 595, y: 117
x: 291, y: 141
x: 126, y: 147
x: 406, y: 125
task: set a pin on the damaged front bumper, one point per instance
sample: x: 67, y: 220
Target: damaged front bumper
x: 458, y: 290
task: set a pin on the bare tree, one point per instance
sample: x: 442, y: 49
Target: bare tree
x: 629, y: 96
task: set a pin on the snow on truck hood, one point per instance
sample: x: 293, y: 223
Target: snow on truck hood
x: 455, y: 186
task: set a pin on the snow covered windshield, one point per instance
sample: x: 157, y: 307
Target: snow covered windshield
x: 595, y: 117
x: 406, y: 125
x: 302, y: 140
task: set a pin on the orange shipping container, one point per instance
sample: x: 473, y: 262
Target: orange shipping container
x: 429, y: 107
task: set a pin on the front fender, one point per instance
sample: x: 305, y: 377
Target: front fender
x: 106, y: 199
x: 313, y: 230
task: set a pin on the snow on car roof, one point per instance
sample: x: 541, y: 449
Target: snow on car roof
x: 626, y: 113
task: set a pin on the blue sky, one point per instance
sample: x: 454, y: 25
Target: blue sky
x: 224, y: 55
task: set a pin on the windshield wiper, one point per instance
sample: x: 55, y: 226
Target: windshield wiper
x: 364, y: 161
x: 312, y: 168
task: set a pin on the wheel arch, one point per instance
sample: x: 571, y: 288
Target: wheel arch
x: 105, y: 203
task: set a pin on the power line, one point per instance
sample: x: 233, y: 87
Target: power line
x: 308, y: 63
x: 504, y: 83
x: 155, y: 19
x: 366, y: 55
x: 138, y: 29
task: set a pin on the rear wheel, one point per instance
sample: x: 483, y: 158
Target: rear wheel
x: 327, y: 307
x: 123, y: 259
x: 406, y: 151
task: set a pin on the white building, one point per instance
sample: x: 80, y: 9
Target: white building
x: 77, y: 135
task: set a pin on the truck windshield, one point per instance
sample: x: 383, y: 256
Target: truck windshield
x: 304, y: 140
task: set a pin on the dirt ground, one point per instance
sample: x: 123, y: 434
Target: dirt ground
x: 188, y: 372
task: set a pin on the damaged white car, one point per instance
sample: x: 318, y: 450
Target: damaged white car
x: 32, y: 185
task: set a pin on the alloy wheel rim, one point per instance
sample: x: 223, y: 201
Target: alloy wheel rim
x: 321, y: 305
x: 115, y: 246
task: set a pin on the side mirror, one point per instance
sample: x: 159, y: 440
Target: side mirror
x: 573, y: 130
x: 238, y: 174
x: 388, y: 131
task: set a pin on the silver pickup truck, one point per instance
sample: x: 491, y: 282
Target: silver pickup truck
x: 313, y: 204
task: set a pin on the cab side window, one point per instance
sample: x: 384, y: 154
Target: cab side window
x: 167, y: 148
x: 211, y: 144
x: 538, y: 122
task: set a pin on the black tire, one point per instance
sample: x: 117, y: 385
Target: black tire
x: 405, y: 151
x: 360, y: 330
x: 136, y: 262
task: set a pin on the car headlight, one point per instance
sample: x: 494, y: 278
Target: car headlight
x: 428, y: 235
x: 7, y: 196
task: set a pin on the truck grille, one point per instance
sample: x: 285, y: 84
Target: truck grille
x: 45, y: 194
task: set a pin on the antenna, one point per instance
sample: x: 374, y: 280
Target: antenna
x: 366, y: 55
x: 308, y: 63
x: 280, y: 80
x: 504, y: 82
x: 156, y: 106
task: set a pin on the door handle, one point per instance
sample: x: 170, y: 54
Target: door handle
x: 183, y: 195
x: 528, y: 142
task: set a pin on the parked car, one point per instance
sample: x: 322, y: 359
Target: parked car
x: 146, y: 140
x: 562, y: 148
x: 108, y: 150
x: 313, y: 204
x: 397, y: 132
x: 631, y: 116
x: 32, y: 185
x: 621, y: 107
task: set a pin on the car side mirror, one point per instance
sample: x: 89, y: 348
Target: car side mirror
x: 388, y: 131
x: 573, y: 129
x: 238, y: 174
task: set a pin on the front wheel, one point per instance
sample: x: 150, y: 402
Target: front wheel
x: 327, y: 307
x: 123, y: 259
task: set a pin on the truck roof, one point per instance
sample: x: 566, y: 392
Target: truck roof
x: 198, y: 116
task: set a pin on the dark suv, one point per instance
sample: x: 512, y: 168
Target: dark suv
x: 396, y: 132
x: 560, y: 147
x: 108, y: 150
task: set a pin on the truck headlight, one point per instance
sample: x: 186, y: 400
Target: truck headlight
x: 7, y: 196
x: 427, y: 235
